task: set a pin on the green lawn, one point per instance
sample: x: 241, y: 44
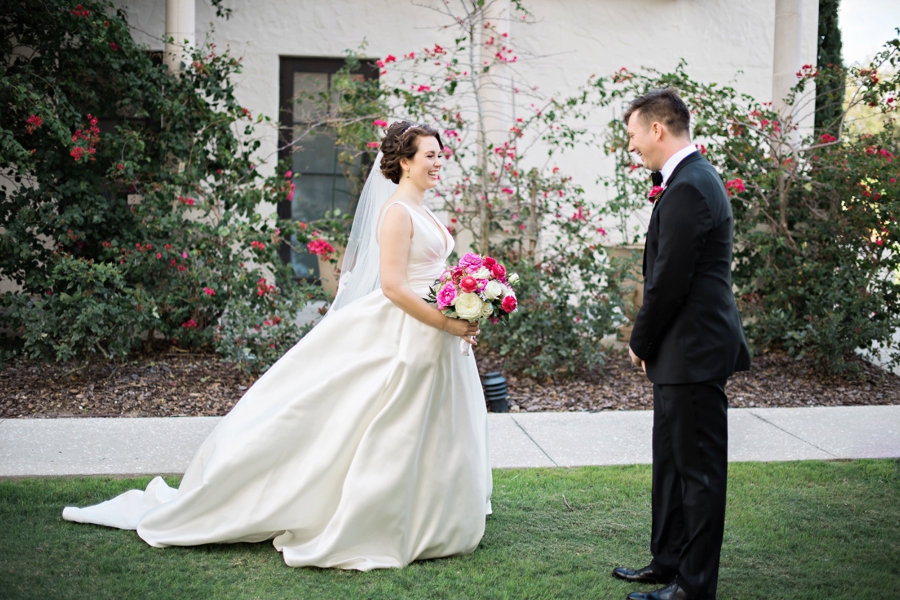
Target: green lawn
x: 795, y: 530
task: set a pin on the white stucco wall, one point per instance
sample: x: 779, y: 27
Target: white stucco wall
x: 721, y: 40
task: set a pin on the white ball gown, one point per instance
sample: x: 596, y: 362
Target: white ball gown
x: 365, y: 446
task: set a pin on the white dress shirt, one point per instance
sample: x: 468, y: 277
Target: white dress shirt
x: 674, y: 161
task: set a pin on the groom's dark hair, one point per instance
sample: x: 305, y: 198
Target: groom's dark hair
x: 665, y: 106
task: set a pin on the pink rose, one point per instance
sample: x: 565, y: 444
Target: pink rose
x: 446, y: 296
x: 468, y: 284
x: 509, y: 304
x: 655, y: 193
x: 470, y: 262
x: 498, y: 271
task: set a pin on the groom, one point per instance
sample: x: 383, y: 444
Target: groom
x: 688, y: 338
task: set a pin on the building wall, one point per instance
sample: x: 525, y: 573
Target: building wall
x: 729, y: 41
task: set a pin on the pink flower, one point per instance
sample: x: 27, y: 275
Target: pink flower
x: 507, y: 190
x: 509, y: 304
x: 471, y: 262
x: 209, y: 291
x: 189, y: 324
x: 290, y: 195
x: 488, y: 262
x: 655, y: 193
x: 379, y: 123
x: 468, y: 284
x: 289, y: 174
x: 158, y: 255
x: 115, y: 48
x: 371, y: 144
x: 498, y: 271
x: 320, y: 247
x: 424, y: 88
x: 446, y: 296
x: 827, y: 138
x: 184, y: 255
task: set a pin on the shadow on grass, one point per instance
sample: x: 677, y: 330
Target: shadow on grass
x: 794, y: 530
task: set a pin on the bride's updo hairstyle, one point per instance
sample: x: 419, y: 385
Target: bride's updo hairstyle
x: 402, y: 141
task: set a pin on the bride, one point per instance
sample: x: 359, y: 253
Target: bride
x: 365, y: 446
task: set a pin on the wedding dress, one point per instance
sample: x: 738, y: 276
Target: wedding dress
x: 365, y: 446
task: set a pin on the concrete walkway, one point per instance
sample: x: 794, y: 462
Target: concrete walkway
x: 150, y: 446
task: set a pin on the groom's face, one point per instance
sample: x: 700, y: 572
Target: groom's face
x: 642, y: 140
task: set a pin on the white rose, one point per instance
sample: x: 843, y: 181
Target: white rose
x: 513, y: 279
x: 493, y: 289
x: 482, y: 273
x: 507, y: 291
x: 487, y: 310
x: 468, y: 306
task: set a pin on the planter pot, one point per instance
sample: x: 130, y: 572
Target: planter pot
x: 329, y: 275
x: 632, y: 285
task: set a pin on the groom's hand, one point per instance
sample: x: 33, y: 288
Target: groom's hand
x: 635, y: 360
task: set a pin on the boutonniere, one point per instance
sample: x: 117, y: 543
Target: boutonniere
x: 656, y: 193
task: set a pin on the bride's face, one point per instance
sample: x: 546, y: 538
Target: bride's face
x: 425, y: 166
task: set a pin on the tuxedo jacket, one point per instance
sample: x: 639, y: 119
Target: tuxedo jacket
x: 688, y: 329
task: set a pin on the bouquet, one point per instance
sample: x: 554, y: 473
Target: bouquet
x: 476, y: 289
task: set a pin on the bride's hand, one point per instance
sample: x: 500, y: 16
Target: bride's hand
x: 463, y: 329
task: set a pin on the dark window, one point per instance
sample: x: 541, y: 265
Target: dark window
x: 322, y: 184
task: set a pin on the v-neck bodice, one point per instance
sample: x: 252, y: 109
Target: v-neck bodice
x: 430, y: 246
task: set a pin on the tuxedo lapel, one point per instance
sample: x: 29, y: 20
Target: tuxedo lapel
x: 690, y: 158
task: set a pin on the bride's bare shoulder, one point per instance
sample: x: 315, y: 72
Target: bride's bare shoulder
x: 395, y: 216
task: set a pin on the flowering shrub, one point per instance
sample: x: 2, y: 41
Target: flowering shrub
x: 129, y: 195
x: 817, y: 244
x: 512, y: 202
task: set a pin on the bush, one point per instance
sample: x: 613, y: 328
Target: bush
x: 817, y: 244
x: 126, y: 187
x: 93, y: 312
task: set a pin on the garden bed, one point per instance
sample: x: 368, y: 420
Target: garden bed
x: 162, y: 384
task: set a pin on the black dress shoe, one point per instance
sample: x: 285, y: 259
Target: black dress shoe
x: 645, y: 575
x: 670, y: 592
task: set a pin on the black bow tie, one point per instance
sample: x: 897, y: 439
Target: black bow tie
x: 656, y: 177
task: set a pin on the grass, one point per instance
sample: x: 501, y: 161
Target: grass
x: 794, y: 530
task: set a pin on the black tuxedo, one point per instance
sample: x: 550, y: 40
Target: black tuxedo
x: 689, y: 334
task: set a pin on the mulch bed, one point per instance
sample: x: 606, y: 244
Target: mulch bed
x: 179, y: 384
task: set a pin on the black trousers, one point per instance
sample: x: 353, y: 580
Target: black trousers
x: 690, y: 470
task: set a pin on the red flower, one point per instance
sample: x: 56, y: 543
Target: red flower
x: 828, y: 138
x: 488, y: 261
x: 468, y: 284
x: 390, y: 58
x: 655, y: 193
x: 735, y: 184
x: 424, y: 88
x: 379, y: 123
x: 498, y: 271
x: 120, y: 166
x: 33, y: 123
x: 158, y: 255
x: 371, y: 144
x: 115, y: 48
x: 77, y: 153
x: 209, y: 291
x: 509, y: 304
x: 189, y: 324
